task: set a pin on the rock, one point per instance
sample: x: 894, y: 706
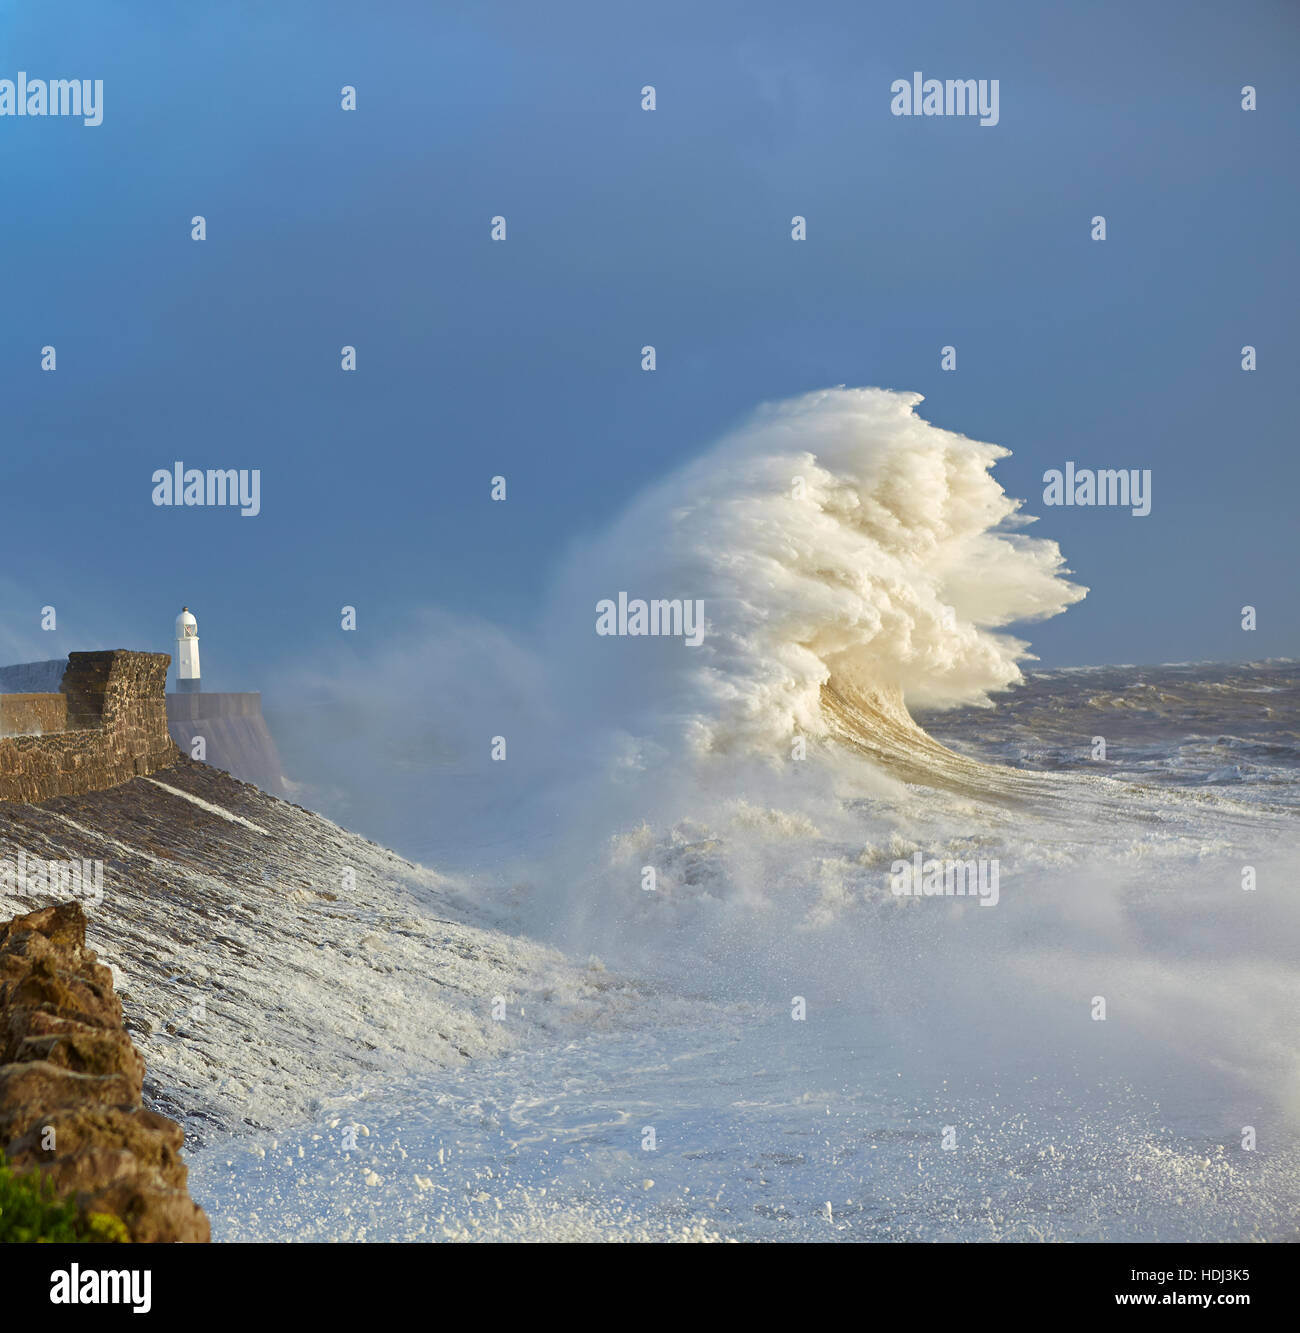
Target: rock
x: 152, y: 1141
x: 32, y: 1090
x: 152, y: 1215
x: 90, y: 1052
x: 61, y: 927
x: 71, y: 1085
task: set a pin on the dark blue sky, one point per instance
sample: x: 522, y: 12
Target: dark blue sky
x: 370, y: 228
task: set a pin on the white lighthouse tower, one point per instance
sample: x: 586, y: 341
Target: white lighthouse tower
x: 187, y: 653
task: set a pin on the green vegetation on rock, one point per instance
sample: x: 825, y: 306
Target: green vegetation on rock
x: 31, y: 1213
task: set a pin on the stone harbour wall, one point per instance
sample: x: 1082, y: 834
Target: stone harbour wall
x: 33, y: 714
x: 115, y: 707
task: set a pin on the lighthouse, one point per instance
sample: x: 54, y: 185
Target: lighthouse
x: 187, y: 653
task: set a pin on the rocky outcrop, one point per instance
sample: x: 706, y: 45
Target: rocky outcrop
x: 116, y: 717
x: 70, y: 1084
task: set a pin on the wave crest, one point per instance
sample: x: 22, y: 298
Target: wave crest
x: 845, y: 550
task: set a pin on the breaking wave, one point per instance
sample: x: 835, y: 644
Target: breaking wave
x: 856, y: 563
x: 853, y: 561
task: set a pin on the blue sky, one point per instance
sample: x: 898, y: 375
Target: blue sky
x: 626, y: 227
